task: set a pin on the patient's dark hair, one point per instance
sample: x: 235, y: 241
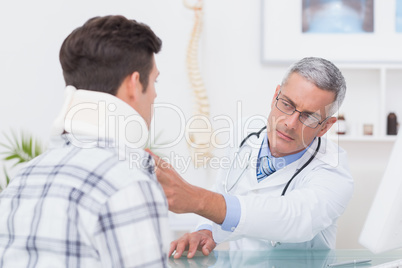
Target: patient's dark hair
x: 100, y: 54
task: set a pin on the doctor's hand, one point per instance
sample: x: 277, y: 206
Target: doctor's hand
x: 186, y: 198
x: 182, y: 197
x: 201, y: 240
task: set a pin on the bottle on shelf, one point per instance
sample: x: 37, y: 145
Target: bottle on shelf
x: 341, y: 125
x: 392, y: 124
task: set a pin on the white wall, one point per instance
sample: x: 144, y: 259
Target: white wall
x: 367, y: 163
x: 32, y: 84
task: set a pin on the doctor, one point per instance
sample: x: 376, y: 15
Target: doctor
x: 296, y: 184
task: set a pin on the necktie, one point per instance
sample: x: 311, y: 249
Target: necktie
x: 265, y: 168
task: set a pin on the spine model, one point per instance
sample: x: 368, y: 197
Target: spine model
x: 199, y: 131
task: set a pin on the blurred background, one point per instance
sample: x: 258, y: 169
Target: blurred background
x: 238, y: 82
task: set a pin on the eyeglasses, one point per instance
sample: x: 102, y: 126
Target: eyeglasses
x: 307, y: 119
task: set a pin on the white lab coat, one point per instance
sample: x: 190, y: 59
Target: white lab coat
x: 305, y: 218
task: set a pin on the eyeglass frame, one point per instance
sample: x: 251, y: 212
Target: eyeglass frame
x: 300, y: 113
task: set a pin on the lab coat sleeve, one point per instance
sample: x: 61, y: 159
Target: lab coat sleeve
x: 315, y: 204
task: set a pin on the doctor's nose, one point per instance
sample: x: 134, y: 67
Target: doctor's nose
x: 291, y: 121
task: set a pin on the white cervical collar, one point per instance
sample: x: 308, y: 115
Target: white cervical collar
x: 102, y: 116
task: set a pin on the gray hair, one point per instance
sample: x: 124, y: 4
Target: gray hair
x: 324, y: 74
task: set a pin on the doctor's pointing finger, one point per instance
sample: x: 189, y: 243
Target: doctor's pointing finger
x: 183, y: 197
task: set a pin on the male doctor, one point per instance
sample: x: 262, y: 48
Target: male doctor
x: 298, y: 187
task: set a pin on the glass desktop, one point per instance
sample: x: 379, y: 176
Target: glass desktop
x: 284, y: 258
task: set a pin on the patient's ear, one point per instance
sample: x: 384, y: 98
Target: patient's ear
x: 130, y: 89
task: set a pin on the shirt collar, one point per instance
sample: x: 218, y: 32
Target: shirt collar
x: 279, y: 162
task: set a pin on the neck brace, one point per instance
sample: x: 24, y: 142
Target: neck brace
x: 100, y: 116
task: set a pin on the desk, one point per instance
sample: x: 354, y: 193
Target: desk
x: 283, y: 259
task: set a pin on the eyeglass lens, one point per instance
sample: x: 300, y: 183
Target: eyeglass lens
x: 287, y: 108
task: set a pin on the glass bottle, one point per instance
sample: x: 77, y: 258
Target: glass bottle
x: 341, y: 125
x: 392, y: 124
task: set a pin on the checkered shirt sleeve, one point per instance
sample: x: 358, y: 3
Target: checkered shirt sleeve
x: 74, y: 207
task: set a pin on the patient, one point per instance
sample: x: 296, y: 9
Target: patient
x: 82, y: 203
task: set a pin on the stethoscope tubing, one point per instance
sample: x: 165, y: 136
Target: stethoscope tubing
x: 294, y: 175
x: 303, y: 167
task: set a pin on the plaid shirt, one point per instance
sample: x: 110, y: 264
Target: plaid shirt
x: 76, y: 207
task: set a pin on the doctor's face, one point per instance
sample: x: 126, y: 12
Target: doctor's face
x: 286, y: 133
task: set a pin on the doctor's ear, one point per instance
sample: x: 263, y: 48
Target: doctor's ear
x: 326, y: 126
x: 277, y: 90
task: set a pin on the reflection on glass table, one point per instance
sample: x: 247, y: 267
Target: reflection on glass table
x: 284, y: 258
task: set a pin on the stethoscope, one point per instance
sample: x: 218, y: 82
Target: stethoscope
x: 243, y: 146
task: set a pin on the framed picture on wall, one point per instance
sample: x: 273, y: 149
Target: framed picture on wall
x: 343, y: 31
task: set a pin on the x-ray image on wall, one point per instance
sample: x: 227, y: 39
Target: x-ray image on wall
x: 398, y: 15
x: 338, y: 16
